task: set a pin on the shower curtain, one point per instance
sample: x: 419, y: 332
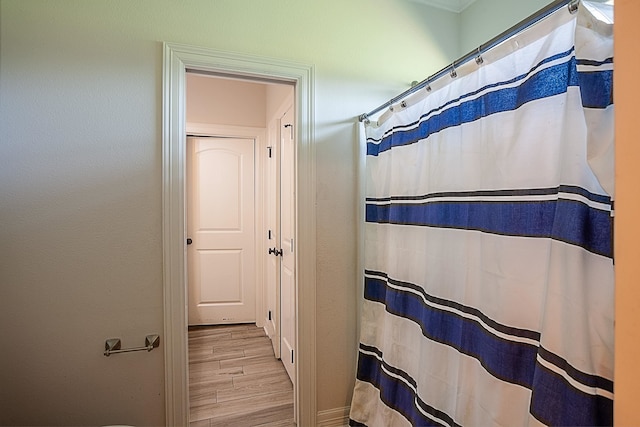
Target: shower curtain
x: 488, y: 282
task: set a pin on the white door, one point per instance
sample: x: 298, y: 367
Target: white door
x: 287, y: 234
x: 220, y: 224
x: 272, y: 216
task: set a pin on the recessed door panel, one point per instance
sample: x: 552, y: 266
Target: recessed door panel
x: 224, y: 266
x: 221, y: 183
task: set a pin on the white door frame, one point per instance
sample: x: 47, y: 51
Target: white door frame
x: 177, y: 59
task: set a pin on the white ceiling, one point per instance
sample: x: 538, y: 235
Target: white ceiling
x: 450, y: 5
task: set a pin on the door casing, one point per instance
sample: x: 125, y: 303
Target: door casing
x: 177, y: 60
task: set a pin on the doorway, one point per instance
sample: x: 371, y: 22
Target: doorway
x: 177, y: 59
x: 241, y: 233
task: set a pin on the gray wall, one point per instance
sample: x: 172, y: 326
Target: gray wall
x: 80, y: 174
x: 485, y: 19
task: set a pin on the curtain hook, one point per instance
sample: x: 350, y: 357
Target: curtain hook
x: 453, y: 72
x: 479, y: 59
x: 573, y: 6
x: 428, y: 87
x: 403, y: 104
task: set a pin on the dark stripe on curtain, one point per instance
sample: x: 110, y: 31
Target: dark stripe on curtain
x: 596, y: 89
x: 543, y: 84
x: 593, y: 62
x: 554, y: 400
x: 396, y: 394
x: 571, y: 189
x: 507, y: 360
x: 564, y: 220
x: 509, y: 330
x: 475, y: 92
x: 581, y: 377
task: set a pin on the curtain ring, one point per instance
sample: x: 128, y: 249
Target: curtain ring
x: 573, y: 6
x: 403, y: 104
x: 453, y: 72
x: 479, y: 59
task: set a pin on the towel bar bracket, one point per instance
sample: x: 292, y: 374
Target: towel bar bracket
x: 114, y: 345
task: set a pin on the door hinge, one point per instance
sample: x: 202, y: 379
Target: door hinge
x: 292, y: 356
x: 269, y: 151
x: 269, y: 314
x: 291, y: 245
x: 269, y: 234
x: 290, y: 126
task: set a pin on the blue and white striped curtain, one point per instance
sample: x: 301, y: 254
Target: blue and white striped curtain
x: 488, y: 282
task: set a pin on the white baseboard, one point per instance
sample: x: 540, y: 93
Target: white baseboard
x: 336, y: 417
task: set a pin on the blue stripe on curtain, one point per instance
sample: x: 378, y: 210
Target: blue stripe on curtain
x: 568, y: 221
x: 516, y: 332
x: 545, y: 83
x: 477, y: 91
x: 395, y: 392
x: 554, y: 401
x: 508, y: 360
x: 595, y: 88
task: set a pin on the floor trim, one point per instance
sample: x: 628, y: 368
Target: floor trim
x: 337, y: 417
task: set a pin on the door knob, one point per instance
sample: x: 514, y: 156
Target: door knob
x: 189, y: 241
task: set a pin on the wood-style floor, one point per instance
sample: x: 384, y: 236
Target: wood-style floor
x: 235, y: 379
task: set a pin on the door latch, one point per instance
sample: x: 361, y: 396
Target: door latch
x: 275, y: 251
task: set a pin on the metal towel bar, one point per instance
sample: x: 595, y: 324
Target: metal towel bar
x: 113, y: 345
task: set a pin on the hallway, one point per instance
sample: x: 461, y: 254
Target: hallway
x: 235, y: 380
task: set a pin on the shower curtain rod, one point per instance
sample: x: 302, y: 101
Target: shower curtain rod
x: 477, y: 53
